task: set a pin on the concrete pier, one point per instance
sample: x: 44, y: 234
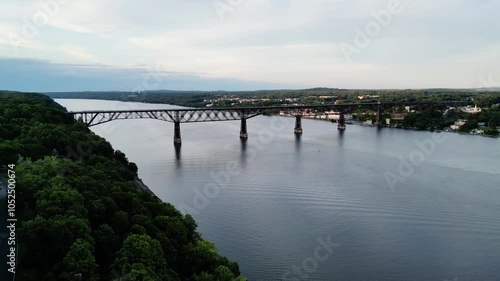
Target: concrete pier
x: 243, y: 131
x: 177, y: 133
x: 298, y: 125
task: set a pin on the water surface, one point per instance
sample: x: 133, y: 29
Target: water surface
x: 268, y: 202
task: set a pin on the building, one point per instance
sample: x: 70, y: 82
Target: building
x: 458, y: 124
x: 368, y: 97
x: 332, y: 115
x: 471, y: 110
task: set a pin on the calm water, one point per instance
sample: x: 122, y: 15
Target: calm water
x: 271, y: 203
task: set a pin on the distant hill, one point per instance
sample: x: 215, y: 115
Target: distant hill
x: 310, y: 90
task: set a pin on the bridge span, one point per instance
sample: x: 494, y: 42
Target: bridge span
x: 190, y: 115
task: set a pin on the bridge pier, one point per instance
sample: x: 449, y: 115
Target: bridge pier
x: 341, y: 126
x: 298, y: 125
x: 379, y: 114
x: 177, y: 133
x: 243, y: 131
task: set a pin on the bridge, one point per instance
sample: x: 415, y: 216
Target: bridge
x: 190, y: 115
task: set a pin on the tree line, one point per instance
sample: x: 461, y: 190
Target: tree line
x: 481, y: 97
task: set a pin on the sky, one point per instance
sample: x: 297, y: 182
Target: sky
x: 104, y: 45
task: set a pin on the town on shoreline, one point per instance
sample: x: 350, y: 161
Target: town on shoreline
x: 397, y: 120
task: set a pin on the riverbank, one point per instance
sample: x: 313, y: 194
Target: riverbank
x: 351, y: 122
x: 416, y: 129
x: 144, y: 188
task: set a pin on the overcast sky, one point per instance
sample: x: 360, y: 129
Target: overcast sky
x: 248, y: 44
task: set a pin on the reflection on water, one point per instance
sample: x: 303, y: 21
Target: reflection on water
x: 341, y: 137
x: 243, y: 154
x: 177, y: 147
x: 297, y: 142
x: 243, y: 145
x: 439, y: 223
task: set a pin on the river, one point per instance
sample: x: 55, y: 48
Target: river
x: 369, y: 204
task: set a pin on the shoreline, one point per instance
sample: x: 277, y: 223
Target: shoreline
x: 141, y: 186
x: 356, y: 123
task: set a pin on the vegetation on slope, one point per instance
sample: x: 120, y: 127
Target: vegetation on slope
x: 82, y: 216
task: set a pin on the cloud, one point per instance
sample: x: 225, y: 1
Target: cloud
x: 286, y: 42
x: 43, y: 76
x: 79, y: 52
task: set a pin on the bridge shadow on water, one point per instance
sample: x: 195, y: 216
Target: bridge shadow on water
x: 378, y: 136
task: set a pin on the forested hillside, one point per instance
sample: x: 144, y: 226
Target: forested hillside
x: 80, y: 212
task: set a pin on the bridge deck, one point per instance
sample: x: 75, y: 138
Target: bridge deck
x: 185, y: 115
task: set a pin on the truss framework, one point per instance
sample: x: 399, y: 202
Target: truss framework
x: 180, y: 116
x: 93, y: 118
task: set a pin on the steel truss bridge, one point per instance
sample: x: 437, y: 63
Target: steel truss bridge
x: 191, y: 115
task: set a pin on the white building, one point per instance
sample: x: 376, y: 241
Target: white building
x: 458, y: 124
x: 471, y: 110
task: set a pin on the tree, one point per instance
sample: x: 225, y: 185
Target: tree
x: 141, y: 249
x: 191, y: 226
x: 8, y: 153
x: 491, y: 132
x: 469, y: 126
x: 106, y: 245
x: 137, y: 272
x: 120, y: 222
x: 58, y: 235
x: 204, y: 256
x: 60, y: 199
x: 222, y: 273
x: 494, y: 122
x: 79, y: 263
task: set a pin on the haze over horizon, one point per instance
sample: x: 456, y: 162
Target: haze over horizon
x: 70, y: 45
